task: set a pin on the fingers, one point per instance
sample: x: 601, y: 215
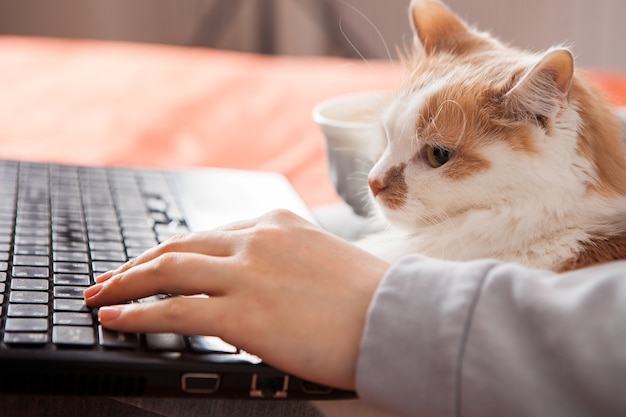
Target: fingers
x: 222, y: 241
x: 215, y: 243
x: 184, y: 315
x: 181, y: 265
x: 170, y: 273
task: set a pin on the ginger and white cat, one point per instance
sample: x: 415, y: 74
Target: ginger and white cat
x: 494, y: 152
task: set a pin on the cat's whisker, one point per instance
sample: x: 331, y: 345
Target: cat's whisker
x: 415, y: 136
x: 361, y: 189
x: 463, y: 123
x: 343, y: 32
x: 372, y: 25
x: 449, y: 228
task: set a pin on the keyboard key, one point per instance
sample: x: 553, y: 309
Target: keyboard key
x: 27, y: 310
x: 152, y: 298
x: 70, y: 304
x: 166, y: 231
x: 26, y: 230
x: 68, y: 225
x: 95, y: 223
x: 104, y: 266
x: 108, y: 255
x: 28, y: 338
x: 104, y: 229
x: 72, y: 319
x: 42, y: 250
x: 105, y: 235
x: 33, y: 215
x: 29, y: 284
x: 135, y: 252
x: 112, y: 339
x: 73, y: 335
x: 30, y: 260
x: 159, y: 218
x: 69, y: 236
x: 31, y: 272
x: 31, y: 240
x: 34, y: 297
x: 71, y: 268
x: 134, y: 222
x: 107, y: 246
x: 14, y: 324
x: 156, y: 204
x: 68, y: 292
x: 138, y: 233
x: 141, y: 242
x: 71, y: 257
x: 165, y: 341
x: 69, y: 246
x: 72, y: 279
x: 210, y: 344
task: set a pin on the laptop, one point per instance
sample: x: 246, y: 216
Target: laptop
x: 61, y: 225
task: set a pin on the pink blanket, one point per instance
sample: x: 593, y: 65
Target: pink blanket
x: 129, y: 104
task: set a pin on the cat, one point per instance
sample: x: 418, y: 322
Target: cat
x: 494, y: 152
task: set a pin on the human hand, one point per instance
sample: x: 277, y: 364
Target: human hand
x: 277, y: 286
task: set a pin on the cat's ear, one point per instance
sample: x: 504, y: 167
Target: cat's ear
x: 542, y: 88
x: 436, y: 28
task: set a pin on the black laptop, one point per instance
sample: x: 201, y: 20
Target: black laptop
x: 61, y: 225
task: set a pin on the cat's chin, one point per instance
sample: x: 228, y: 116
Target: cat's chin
x: 400, y: 220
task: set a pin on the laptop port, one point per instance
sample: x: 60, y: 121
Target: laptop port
x: 200, y: 383
x: 269, y: 386
x: 315, y: 389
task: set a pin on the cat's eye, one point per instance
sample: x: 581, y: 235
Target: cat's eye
x: 436, y: 156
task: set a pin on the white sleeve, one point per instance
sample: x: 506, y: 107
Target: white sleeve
x: 484, y: 338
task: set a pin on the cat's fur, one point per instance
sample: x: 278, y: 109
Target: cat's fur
x: 537, y: 167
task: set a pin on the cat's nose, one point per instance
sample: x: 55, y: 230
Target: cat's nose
x: 376, y: 186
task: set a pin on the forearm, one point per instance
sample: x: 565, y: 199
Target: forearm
x: 483, y: 338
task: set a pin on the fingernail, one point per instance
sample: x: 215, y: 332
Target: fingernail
x: 92, y: 291
x: 109, y: 313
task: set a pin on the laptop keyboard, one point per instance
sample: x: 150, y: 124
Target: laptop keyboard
x: 60, y: 226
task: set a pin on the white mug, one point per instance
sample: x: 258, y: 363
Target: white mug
x: 351, y: 124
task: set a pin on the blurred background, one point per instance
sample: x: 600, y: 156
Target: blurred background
x: 351, y: 28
